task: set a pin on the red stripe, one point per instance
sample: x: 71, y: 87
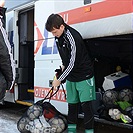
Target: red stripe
x: 99, y: 10
x: 41, y: 92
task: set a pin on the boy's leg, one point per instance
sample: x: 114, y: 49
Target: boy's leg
x: 72, y: 117
x: 88, y: 117
x: 87, y: 93
x: 73, y: 100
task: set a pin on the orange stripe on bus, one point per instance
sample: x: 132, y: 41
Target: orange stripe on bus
x: 96, y: 11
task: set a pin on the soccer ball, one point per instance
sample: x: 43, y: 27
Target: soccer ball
x: 115, y: 114
x: 37, y: 126
x: 130, y: 111
x: 126, y: 95
x: 34, y: 111
x: 57, y: 123
x: 110, y: 97
x: 22, y: 125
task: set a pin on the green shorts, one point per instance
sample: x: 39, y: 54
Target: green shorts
x: 81, y: 91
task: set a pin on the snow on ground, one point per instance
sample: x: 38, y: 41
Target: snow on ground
x: 8, y: 123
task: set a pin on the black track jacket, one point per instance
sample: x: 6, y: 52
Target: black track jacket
x: 74, y: 55
x: 7, y: 66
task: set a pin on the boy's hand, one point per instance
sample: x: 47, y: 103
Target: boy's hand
x: 56, y: 83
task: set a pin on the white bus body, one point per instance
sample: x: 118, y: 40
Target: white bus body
x: 34, y: 49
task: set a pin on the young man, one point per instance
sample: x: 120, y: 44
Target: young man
x: 77, y: 69
x: 7, y: 68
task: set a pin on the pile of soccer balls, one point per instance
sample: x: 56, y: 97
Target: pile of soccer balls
x: 34, y: 122
x: 112, y: 97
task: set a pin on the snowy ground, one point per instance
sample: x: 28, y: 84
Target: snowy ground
x: 8, y: 124
x: 10, y: 114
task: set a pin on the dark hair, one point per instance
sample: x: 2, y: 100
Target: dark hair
x: 54, y: 21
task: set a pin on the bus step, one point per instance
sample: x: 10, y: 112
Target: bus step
x: 25, y: 102
x: 31, y: 90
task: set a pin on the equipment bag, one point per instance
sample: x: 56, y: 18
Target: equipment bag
x: 41, y: 117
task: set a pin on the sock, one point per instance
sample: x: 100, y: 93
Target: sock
x: 71, y: 128
x: 89, y: 130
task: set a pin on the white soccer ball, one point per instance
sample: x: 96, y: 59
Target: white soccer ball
x: 110, y: 97
x: 34, y: 112
x: 22, y: 125
x: 39, y: 125
x: 114, y: 114
x: 57, y: 124
x: 126, y: 95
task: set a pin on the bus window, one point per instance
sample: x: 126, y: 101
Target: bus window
x: 87, y: 2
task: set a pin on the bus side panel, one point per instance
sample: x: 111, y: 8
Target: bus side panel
x: 46, y: 57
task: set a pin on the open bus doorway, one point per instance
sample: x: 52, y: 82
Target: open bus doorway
x: 25, y: 70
